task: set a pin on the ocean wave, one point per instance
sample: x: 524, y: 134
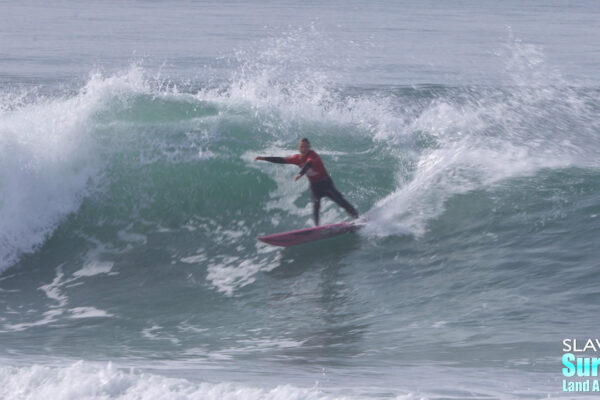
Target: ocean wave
x: 145, y: 157
x: 94, y: 381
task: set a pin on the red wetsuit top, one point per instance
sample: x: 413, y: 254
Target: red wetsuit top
x: 316, y: 171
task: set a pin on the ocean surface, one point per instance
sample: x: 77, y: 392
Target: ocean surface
x: 466, y: 132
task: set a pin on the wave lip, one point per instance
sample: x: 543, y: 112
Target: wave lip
x: 49, y: 160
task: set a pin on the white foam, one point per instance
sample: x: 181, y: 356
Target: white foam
x: 88, y: 312
x: 55, y: 292
x: 132, y: 237
x: 94, y: 267
x: 91, y: 381
x: 52, y: 290
x: 48, y: 317
x: 195, y: 259
x: 228, y: 273
x: 49, y: 161
x: 154, y: 333
x: 446, y: 172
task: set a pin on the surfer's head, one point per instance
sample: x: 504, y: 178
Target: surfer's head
x: 303, y: 146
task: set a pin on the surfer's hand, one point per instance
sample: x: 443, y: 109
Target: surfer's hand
x: 258, y: 158
x: 297, y: 177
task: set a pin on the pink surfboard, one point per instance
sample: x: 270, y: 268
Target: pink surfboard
x: 299, y: 236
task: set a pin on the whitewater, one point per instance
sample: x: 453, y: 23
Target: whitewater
x: 130, y: 201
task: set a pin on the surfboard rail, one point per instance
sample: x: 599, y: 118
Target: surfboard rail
x: 304, y: 235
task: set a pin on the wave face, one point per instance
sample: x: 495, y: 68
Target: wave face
x: 130, y: 207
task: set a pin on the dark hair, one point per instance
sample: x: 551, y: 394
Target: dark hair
x: 305, y: 140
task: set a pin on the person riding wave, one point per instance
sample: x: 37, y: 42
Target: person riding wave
x: 321, y: 184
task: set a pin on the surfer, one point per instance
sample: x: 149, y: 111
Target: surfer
x: 321, y: 184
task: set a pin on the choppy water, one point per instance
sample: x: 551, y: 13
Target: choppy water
x: 130, y: 202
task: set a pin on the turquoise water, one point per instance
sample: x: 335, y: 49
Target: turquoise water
x: 130, y: 202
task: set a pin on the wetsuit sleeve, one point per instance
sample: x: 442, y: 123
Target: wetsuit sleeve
x: 305, y: 167
x: 295, y: 159
x: 277, y: 160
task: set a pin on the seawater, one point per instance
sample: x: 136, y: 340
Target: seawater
x: 465, y: 133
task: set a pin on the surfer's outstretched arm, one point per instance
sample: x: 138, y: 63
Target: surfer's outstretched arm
x: 276, y: 160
